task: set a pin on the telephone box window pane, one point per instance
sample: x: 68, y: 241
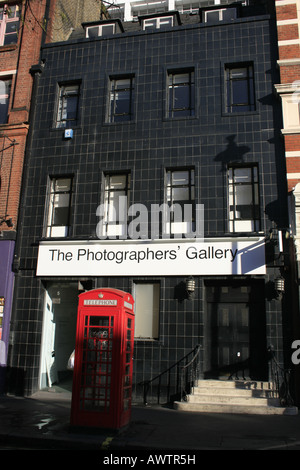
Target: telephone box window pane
x: 96, y: 364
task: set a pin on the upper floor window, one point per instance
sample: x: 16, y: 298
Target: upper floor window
x: 160, y: 22
x: 115, y: 206
x: 180, y: 197
x: 5, y: 86
x: 239, y: 88
x: 243, y: 199
x: 222, y: 14
x: 100, y: 30
x: 9, y: 24
x: 59, y: 207
x: 121, y: 99
x: 181, y: 93
x: 67, y: 113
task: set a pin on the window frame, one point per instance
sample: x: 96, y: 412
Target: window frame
x: 152, y: 323
x: 169, y: 199
x: 6, y: 20
x: 158, y: 22
x: 230, y: 89
x: 110, y: 227
x: 221, y: 14
x: 5, y: 96
x: 186, y: 112
x: 100, y: 30
x: 235, y: 223
x: 113, y: 117
x: 60, y: 121
x: 49, y: 225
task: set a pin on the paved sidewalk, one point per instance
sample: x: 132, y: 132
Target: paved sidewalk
x: 42, y: 422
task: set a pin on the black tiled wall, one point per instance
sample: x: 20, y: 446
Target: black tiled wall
x: 146, y: 146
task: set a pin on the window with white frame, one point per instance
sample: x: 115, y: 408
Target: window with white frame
x: 147, y: 296
x: 5, y: 87
x: 67, y: 112
x: 115, y: 206
x: 180, y: 199
x: 100, y: 30
x: 160, y: 22
x: 243, y: 199
x: 59, y: 207
x: 222, y: 14
x: 9, y: 24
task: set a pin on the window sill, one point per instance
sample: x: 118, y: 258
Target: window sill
x: 9, y: 47
x: 243, y: 113
x: 179, y: 118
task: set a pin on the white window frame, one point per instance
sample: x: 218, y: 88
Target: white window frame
x: 220, y: 11
x: 157, y: 23
x: 57, y: 199
x: 5, y: 91
x: 147, y: 300
x: 100, y: 29
x: 5, y: 11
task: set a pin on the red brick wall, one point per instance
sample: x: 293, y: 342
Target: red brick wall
x: 18, y: 57
x: 289, y: 73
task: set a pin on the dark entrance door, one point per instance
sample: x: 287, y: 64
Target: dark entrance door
x: 235, y: 331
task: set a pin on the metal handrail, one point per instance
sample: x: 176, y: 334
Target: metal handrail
x: 281, y: 381
x: 189, y: 377
x: 146, y: 383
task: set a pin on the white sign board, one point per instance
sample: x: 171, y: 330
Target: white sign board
x: 152, y: 258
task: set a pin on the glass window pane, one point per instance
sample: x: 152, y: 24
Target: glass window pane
x: 240, y: 92
x: 242, y: 175
x: 107, y: 29
x: 180, y: 177
x: 62, y: 184
x: 93, y: 32
x: 181, y: 194
x: 212, y: 16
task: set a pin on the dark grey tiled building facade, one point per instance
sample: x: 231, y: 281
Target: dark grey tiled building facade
x: 168, y: 109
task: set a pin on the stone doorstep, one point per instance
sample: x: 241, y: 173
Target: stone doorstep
x: 234, y: 396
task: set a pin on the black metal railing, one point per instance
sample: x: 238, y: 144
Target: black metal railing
x: 183, y: 374
x: 281, y: 381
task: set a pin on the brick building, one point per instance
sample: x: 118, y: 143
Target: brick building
x: 288, y: 22
x: 21, y: 31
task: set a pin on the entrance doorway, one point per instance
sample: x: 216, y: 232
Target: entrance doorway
x: 235, y: 331
x: 59, y: 333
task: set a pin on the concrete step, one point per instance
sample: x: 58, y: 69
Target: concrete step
x: 248, y: 397
x: 232, y: 399
x: 235, y: 409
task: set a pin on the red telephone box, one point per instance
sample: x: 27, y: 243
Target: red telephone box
x: 102, y: 381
